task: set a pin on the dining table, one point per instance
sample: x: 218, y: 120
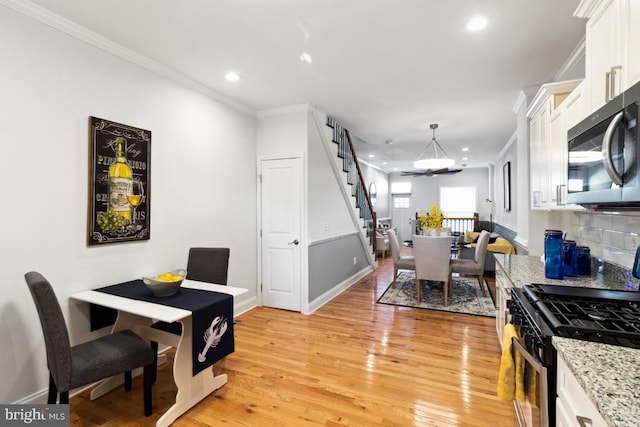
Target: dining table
x: 139, y: 314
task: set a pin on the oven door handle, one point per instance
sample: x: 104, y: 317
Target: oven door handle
x: 542, y: 373
x: 606, y: 149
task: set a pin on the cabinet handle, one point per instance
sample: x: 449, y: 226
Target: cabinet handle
x: 614, y: 72
x: 561, y: 200
x: 584, y: 421
x: 607, y: 87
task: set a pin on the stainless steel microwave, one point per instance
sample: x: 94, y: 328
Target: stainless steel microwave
x: 604, y: 155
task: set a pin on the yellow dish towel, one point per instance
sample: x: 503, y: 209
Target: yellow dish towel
x: 511, y: 376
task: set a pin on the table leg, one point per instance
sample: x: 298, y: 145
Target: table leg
x: 191, y: 389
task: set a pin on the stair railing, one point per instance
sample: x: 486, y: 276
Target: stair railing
x: 351, y: 166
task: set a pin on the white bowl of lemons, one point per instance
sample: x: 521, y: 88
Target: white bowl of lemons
x: 165, y: 284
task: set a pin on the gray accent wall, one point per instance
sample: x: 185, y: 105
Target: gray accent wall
x: 331, y: 262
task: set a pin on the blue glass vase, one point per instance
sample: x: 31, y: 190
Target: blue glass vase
x: 570, y: 259
x: 553, y: 259
x: 583, y: 261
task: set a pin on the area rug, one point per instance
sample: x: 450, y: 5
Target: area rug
x: 466, y: 298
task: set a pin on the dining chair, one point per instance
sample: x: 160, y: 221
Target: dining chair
x: 209, y: 265
x: 433, y: 254
x: 474, y: 267
x: 400, y: 262
x: 382, y: 243
x: 82, y: 364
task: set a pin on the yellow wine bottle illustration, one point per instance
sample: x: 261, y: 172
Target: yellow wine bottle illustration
x: 120, y: 178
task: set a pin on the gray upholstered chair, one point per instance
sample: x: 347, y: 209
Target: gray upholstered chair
x: 382, y: 243
x: 474, y: 267
x: 209, y: 265
x: 400, y: 262
x: 82, y: 364
x: 432, y: 262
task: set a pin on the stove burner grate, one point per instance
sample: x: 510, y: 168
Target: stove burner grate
x: 586, y: 313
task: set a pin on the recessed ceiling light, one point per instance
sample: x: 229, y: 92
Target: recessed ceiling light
x: 465, y: 149
x: 305, y: 57
x: 465, y: 158
x: 232, y: 76
x: 385, y: 163
x: 371, y: 156
x: 477, y: 23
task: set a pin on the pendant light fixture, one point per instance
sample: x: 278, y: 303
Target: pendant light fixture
x: 433, y: 157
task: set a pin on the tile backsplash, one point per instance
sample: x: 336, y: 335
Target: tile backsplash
x: 612, y: 236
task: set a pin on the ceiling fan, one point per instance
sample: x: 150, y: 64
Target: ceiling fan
x: 432, y: 172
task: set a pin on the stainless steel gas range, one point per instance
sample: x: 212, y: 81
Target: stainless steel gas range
x: 541, y: 311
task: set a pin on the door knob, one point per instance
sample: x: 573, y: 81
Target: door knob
x: 295, y: 242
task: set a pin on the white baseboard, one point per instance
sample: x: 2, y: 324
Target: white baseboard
x: 335, y: 291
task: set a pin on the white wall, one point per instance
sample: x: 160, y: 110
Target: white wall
x: 203, y: 180
x: 328, y: 214
x: 502, y: 216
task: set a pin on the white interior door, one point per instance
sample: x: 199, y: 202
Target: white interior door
x: 402, y: 220
x: 281, y: 228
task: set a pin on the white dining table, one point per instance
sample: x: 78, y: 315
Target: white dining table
x: 138, y: 316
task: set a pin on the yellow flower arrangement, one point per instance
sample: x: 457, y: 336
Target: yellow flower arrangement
x: 431, y: 219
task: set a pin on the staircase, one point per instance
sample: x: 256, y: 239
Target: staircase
x: 354, y: 178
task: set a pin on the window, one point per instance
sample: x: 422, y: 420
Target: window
x: 401, y: 202
x: 458, y: 202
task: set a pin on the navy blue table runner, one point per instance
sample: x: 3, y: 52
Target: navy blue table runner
x: 212, y: 314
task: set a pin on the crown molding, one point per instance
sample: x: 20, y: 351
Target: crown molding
x: 512, y: 139
x: 281, y: 111
x: 586, y: 8
x: 549, y: 89
x: 521, y: 101
x: 81, y: 33
x: 574, y: 59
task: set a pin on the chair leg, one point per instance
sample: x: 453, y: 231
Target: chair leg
x: 53, y: 391
x: 154, y: 347
x: 149, y: 375
x: 445, y: 287
x: 395, y: 275
x: 127, y: 380
x: 64, y: 397
x: 418, y: 290
x: 484, y: 294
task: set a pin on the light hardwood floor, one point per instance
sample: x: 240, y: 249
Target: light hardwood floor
x: 351, y: 363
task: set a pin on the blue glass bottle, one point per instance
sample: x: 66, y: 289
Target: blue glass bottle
x: 583, y: 261
x: 569, y: 256
x: 553, y: 260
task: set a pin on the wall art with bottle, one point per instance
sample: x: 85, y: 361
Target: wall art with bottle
x: 119, y: 183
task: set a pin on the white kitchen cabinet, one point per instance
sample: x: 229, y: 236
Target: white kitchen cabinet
x: 503, y: 295
x: 548, y: 145
x: 612, y: 62
x: 573, y: 406
x: 575, y: 106
x: 632, y: 51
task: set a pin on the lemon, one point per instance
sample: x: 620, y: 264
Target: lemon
x: 168, y: 277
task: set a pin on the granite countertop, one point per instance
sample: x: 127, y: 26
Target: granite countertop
x: 610, y: 375
x: 525, y: 269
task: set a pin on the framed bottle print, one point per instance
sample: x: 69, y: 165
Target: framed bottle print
x: 119, y: 183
